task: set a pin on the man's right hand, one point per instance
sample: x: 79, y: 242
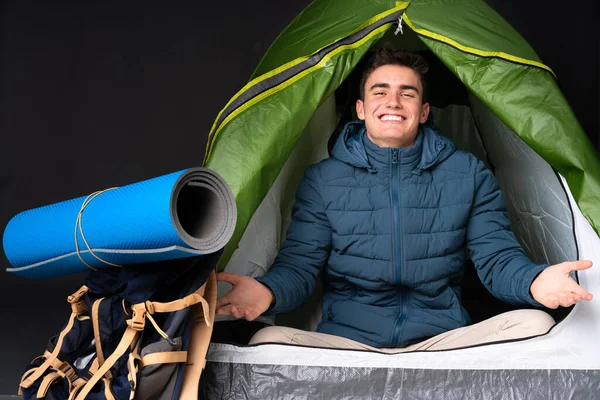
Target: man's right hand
x: 248, y: 298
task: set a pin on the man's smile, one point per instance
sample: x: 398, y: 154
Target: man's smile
x: 392, y: 118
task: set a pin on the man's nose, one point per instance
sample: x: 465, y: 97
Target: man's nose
x: 394, y: 102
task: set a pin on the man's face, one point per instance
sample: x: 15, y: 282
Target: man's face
x: 393, y: 106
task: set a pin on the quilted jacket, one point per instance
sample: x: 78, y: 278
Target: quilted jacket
x: 390, y: 230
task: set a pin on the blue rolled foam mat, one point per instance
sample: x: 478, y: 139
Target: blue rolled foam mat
x: 182, y: 214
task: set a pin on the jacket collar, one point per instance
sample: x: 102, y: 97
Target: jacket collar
x: 381, y: 159
x: 354, y: 147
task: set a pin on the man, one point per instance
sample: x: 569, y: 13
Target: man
x: 386, y: 219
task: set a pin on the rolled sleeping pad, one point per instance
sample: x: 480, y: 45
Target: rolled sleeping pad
x: 182, y: 214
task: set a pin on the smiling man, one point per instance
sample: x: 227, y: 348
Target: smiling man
x: 386, y: 219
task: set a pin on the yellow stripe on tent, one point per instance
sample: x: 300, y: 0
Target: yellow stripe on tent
x: 466, y: 49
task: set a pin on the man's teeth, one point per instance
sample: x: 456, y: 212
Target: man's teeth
x: 392, y: 118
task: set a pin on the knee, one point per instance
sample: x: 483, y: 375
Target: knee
x: 271, y: 334
x: 532, y: 322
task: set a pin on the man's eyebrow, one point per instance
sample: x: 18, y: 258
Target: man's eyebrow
x: 380, y: 85
x: 387, y: 86
x: 409, y: 87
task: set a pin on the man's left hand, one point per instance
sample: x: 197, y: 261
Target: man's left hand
x: 554, y: 287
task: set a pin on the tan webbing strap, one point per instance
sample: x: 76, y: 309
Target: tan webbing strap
x: 65, y: 370
x: 79, y: 382
x: 46, y: 382
x: 93, y: 368
x: 78, y: 306
x: 132, y: 374
x: 25, y: 374
x: 199, y: 340
x: 107, y: 392
x: 96, y: 326
x: 136, y: 324
x: 177, y: 305
x: 51, y: 358
x: 55, y: 364
x: 165, y: 357
x: 76, y: 388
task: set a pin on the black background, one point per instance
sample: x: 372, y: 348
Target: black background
x: 102, y: 94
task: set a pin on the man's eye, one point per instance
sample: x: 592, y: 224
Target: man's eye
x: 408, y: 95
x: 378, y: 93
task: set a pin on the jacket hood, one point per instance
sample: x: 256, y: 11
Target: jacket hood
x: 350, y: 148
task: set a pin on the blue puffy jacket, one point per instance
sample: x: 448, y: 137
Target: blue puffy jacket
x: 389, y: 228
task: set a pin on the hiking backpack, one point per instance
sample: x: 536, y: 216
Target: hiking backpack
x: 135, y: 332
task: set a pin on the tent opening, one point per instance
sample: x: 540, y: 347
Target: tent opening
x: 538, y: 205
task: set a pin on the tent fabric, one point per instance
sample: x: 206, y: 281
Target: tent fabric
x: 529, y: 102
x: 182, y: 214
x: 446, y: 23
x: 536, y: 199
x: 230, y: 381
x: 321, y: 24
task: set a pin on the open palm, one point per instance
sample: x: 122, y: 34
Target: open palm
x: 554, y: 287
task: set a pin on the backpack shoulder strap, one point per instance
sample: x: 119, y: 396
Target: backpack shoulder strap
x: 200, y: 339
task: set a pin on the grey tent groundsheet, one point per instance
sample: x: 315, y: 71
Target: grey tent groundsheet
x: 182, y: 214
x: 309, y: 382
x: 563, y: 364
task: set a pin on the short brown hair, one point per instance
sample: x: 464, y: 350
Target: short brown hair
x: 388, y: 56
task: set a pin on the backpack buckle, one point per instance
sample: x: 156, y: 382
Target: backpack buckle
x: 76, y: 300
x: 68, y: 370
x: 76, y: 297
x: 138, y: 317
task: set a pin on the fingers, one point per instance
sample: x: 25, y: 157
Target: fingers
x: 250, y: 315
x: 224, y: 310
x: 229, y: 310
x: 223, y: 301
x: 572, y: 296
x: 581, y: 292
x: 578, y: 265
x: 228, y: 277
x: 569, y: 299
x: 235, y: 312
x: 553, y: 304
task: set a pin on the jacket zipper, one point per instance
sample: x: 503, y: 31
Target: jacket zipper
x: 397, y: 243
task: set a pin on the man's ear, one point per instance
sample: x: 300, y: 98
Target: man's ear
x: 360, y: 111
x: 424, y: 113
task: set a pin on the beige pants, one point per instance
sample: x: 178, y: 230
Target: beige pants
x: 511, y: 325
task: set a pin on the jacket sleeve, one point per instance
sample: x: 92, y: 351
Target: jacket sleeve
x: 305, y: 250
x: 501, y: 263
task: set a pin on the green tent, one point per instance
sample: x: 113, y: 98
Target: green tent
x: 492, y: 95
x: 258, y: 129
